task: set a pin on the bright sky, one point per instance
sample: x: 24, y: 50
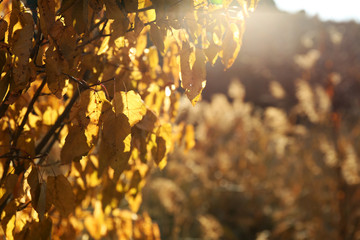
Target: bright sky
x: 338, y: 10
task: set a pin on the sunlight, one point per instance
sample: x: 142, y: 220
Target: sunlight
x: 335, y: 10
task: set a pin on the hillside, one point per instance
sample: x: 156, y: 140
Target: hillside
x: 284, y: 47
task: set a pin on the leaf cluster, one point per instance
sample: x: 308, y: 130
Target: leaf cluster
x: 88, y: 102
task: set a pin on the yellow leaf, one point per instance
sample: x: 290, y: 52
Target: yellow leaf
x: 21, y: 47
x: 157, y: 36
x: 148, y: 122
x: 75, y: 146
x: 130, y: 104
x: 49, y: 116
x: 8, y: 218
x: 212, y: 52
x: 114, y: 149
x: 153, y: 58
x: 10, y: 183
x: 54, y: 67
x: 231, y: 44
x: 59, y: 192
x: 189, y: 137
x: 65, y: 41
x: 193, y: 77
x: 163, y: 145
x: 4, y: 86
x: 38, y: 193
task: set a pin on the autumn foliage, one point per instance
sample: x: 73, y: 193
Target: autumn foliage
x: 277, y: 153
x: 88, y: 98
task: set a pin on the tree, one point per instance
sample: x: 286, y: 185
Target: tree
x: 88, y: 101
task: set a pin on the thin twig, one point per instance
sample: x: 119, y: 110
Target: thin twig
x: 29, y: 109
x: 51, y: 144
x: 99, y: 35
x: 145, y: 24
x: 57, y: 124
x: 98, y: 24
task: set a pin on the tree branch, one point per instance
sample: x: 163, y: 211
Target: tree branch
x: 57, y: 124
x: 29, y: 109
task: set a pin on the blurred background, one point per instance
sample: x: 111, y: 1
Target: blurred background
x: 277, y: 135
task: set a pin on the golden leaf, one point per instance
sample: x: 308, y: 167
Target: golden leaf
x: 189, y: 137
x: 8, y: 218
x: 4, y: 86
x: 33, y: 181
x: 157, y: 36
x: 47, y: 15
x: 66, y: 41
x: 163, y: 145
x: 42, y: 205
x: 38, y: 193
x: 148, y: 122
x: 130, y: 104
x: 10, y: 183
x: 21, y: 47
x: 75, y: 146
x: 193, y: 77
x: 26, y: 143
x: 231, y: 44
x: 114, y: 149
x: 153, y: 58
x: 38, y: 230
x: 212, y: 52
x: 54, y: 68
x: 59, y: 192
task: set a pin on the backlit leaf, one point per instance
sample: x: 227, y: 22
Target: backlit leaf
x: 21, y: 47
x: 231, y: 45
x: 148, y: 122
x: 39, y: 230
x: 59, y: 192
x: 130, y: 104
x: 4, y: 86
x: 65, y: 5
x: 157, y: 36
x: 80, y: 15
x: 47, y: 15
x: 54, y: 76
x: 114, y: 149
x: 193, y: 77
x: 75, y: 146
x: 8, y: 218
x: 163, y: 145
